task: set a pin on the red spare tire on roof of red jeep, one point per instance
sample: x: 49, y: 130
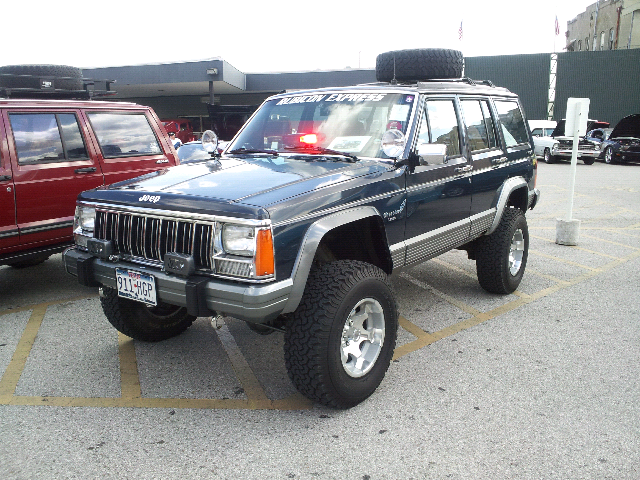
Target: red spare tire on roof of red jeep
x: 419, y: 64
x: 30, y: 76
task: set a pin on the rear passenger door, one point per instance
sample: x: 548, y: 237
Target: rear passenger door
x: 510, y: 159
x: 51, y: 166
x: 439, y: 188
x: 128, y: 144
x: 488, y: 157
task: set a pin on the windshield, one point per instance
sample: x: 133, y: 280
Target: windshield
x: 350, y: 123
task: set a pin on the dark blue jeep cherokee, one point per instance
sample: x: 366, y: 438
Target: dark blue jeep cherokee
x: 318, y: 199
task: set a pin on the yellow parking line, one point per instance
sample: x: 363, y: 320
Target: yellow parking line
x: 293, y: 402
x: 461, y: 305
x: 561, y: 260
x: 129, y: 379
x: 425, y: 338
x: 256, y: 397
x: 44, y: 304
x: 13, y: 372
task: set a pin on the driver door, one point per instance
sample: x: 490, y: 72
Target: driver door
x: 439, y: 188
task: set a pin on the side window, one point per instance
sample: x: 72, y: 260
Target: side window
x: 47, y: 137
x: 536, y: 132
x: 480, y: 131
x: 124, y: 134
x: 513, y: 128
x: 443, y: 126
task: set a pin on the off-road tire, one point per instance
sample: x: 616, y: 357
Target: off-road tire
x: 140, y: 322
x: 588, y: 161
x: 419, y: 64
x: 315, y: 336
x: 28, y: 76
x: 547, y: 157
x: 493, y: 252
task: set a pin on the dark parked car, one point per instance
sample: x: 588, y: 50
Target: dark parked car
x: 623, y: 144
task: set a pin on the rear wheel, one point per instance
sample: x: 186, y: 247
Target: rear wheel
x: 339, y: 343
x: 142, y: 322
x: 502, y: 256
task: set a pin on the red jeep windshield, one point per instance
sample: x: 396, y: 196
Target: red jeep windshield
x: 352, y: 122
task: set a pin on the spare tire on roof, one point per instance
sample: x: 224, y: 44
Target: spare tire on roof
x: 419, y: 64
x: 30, y: 76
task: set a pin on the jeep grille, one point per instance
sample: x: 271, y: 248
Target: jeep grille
x: 148, y: 238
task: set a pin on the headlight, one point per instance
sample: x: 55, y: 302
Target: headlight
x: 239, y: 240
x: 83, y: 224
x: 244, y: 251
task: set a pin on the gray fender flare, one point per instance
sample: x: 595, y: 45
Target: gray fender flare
x: 310, y: 243
x: 500, y: 202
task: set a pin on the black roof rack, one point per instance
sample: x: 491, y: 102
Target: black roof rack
x: 90, y: 88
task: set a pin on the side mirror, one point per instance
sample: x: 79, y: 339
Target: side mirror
x: 432, y: 153
x: 393, y: 143
x: 210, y: 141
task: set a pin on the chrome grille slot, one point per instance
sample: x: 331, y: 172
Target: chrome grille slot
x: 147, y: 239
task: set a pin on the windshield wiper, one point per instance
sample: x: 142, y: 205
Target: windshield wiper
x: 251, y: 150
x: 322, y: 150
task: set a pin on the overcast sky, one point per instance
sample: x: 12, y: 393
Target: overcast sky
x: 276, y: 36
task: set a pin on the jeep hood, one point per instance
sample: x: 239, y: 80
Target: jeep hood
x: 629, y: 126
x: 257, y: 181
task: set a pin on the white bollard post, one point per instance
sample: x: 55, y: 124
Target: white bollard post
x: 568, y: 230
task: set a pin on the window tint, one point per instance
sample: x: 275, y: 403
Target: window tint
x: 121, y: 134
x: 444, y: 125
x: 38, y: 137
x: 480, y: 131
x: 513, y: 128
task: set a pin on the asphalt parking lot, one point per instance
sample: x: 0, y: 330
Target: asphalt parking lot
x: 540, y: 384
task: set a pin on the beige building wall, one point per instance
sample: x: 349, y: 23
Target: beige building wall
x: 629, y: 36
x: 605, y: 25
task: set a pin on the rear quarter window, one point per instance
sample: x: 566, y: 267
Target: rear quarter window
x: 124, y: 134
x: 512, y: 122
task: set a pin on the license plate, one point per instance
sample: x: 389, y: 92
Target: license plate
x: 136, y: 286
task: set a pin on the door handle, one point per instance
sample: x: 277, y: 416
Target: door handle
x: 466, y: 168
x: 497, y: 161
x: 85, y: 170
x: 4, y: 178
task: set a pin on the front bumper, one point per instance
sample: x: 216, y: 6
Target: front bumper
x: 581, y: 153
x: 203, y: 296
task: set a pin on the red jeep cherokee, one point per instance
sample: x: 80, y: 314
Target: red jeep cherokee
x: 51, y: 150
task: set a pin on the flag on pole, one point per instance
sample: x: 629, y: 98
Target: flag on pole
x: 557, y: 26
x: 460, y: 32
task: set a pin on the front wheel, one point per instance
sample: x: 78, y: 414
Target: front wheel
x: 502, y: 256
x: 608, y: 156
x: 547, y: 157
x: 339, y: 343
x: 588, y: 161
x: 142, y: 322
